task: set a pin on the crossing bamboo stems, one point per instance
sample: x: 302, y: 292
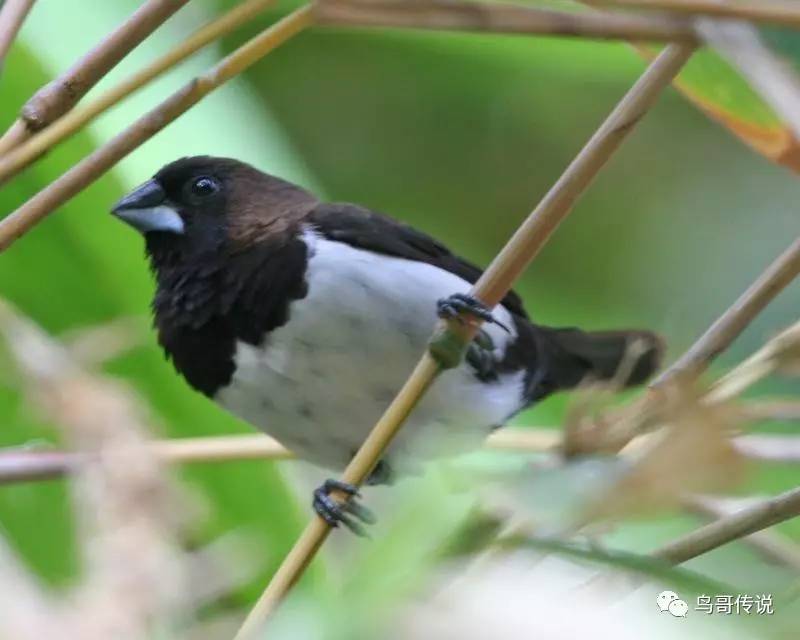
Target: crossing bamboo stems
x: 490, y: 288
x: 775, y: 278
x: 41, y: 142
x: 96, y: 164
x: 60, y: 95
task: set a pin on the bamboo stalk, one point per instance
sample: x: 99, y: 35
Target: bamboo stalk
x: 779, y: 410
x: 524, y: 440
x: 741, y: 313
x: 785, y: 12
x: 779, y: 86
x: 769, y: 448
x: 12, y: 15
x: 29, y: 464
x: 747, y: 524
x: 771, y: 545
x: 16, y: 134
x: 644, y: 413
x: 93, y: 166
x: 530, y: 237
x: 26, y: 465
x: 490, y: 288
x: 41, y: 142
x: 316, y: 532
x: 496, y: 17
x: 732, y: 527
x: 22, y: 465
x: 60, y: 95
x: 761, y: 364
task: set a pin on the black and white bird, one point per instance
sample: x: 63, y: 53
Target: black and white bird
x: 304, y: 318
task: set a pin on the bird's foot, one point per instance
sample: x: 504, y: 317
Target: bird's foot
x: 348, y: 512
x: 453, y: 307
x: 480, y: 356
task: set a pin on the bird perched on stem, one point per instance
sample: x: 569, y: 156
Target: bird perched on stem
x: 304, y: 318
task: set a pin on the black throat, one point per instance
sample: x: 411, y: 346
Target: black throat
x: 206, y: 302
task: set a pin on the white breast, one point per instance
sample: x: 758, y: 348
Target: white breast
x: 319, y: 383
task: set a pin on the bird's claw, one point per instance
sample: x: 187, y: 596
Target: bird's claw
x: 453, y: 307
x: 348, y: 512
x: 480, y: 356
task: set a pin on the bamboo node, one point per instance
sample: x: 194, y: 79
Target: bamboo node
x: 446, y: 347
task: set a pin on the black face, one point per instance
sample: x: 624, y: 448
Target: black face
x: 182, y: 210
x: 203, y: 209
x: 193, y: 186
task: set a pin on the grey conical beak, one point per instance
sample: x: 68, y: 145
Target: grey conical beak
x: 146, y: 209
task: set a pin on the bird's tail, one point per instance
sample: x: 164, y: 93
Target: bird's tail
x: 627, y: 357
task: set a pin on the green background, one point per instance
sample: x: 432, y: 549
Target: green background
x: 457, y: 134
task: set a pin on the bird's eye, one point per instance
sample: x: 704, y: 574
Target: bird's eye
x: 204, y: 186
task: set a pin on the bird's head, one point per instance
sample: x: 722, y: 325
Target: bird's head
x: 202, y: 206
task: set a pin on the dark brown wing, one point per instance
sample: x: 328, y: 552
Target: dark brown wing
x: 360, y: 227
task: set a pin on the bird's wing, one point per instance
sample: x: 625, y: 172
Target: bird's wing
x: 365, y: 229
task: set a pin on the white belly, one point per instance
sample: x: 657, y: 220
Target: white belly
x: 319, y: 383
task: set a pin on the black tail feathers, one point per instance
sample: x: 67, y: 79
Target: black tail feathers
x: 574, y: 356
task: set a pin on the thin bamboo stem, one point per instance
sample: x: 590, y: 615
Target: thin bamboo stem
x: 532, y: 234
x: 495, y: 17
x: 785, y: 12
x: 26, y: 464
x: 730, y: 324
x: 60, y: 95
x: 12, y: 15
x: 644, y: 413
x: 747, y: 524
x: 769, y: 448
x: 316, y: 532
x: 779, y: 410
x: 717, y: 338
x: 732, y: 527
x: 490, y: 288
x: 93, y: 166
x: 771, y: 545
x: 21, y: 156
x: 16, y: 134
x: 761, y: 364
x: 23, y: 465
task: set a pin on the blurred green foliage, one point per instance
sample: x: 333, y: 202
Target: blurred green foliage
x: 81, y: 272
x: 457, y: 134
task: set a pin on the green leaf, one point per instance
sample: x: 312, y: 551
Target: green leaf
x: 719, y: 91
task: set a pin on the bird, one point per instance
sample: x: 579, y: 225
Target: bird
x: 303, y: 318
